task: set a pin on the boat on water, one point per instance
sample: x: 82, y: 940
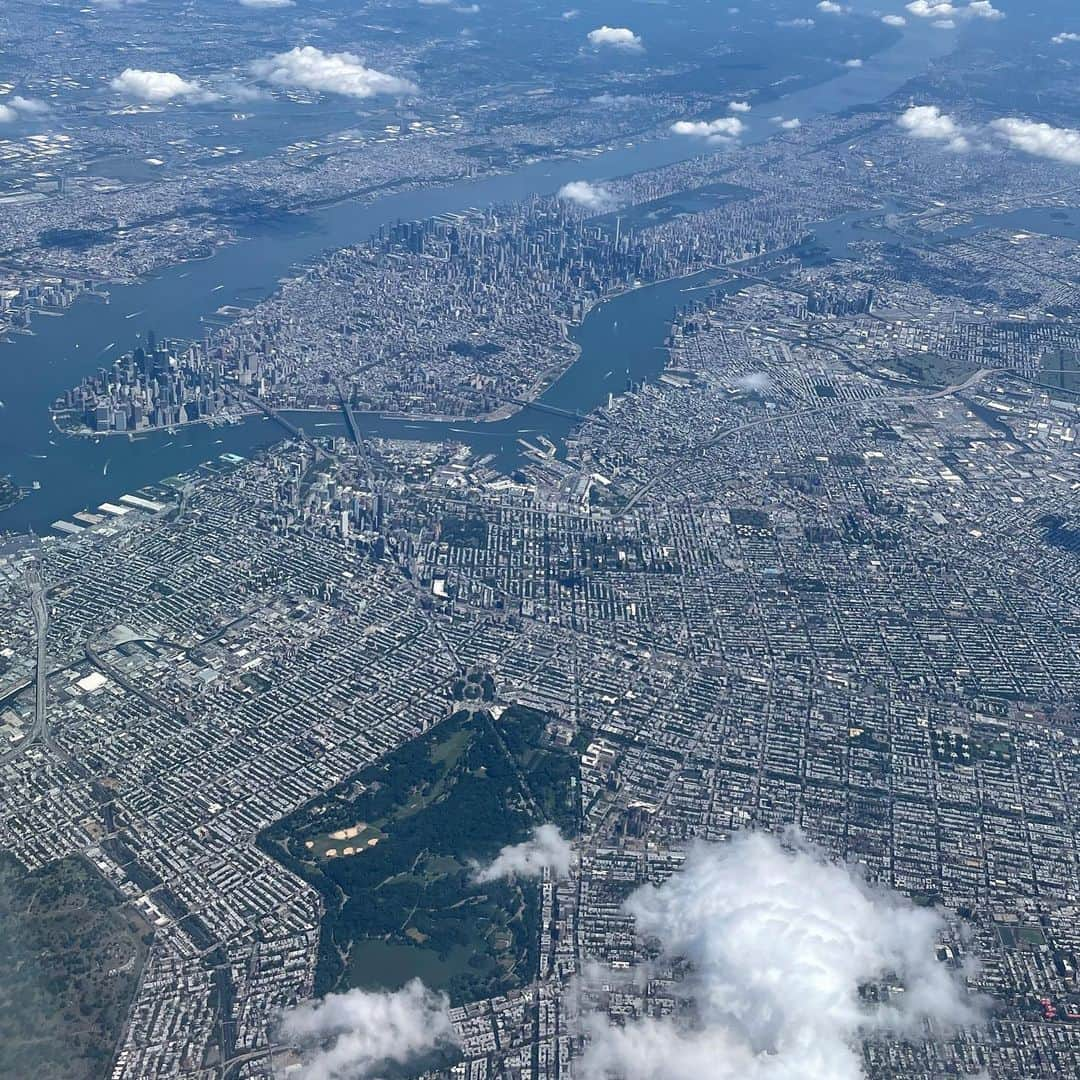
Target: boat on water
x: 105, y: 471
x: 36, y: 485
x: 133, y: 315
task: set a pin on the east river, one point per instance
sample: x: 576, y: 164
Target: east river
x: 620, y: 338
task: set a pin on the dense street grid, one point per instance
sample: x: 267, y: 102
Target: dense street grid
x: 822, y: 574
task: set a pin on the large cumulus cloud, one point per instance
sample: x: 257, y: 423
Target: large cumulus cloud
x: 357, y: 1034
x: 929, y: 122
x: 155, y: 87
x: 723, y: 129
x: 1034, y: 137
x: 544, y: 850
x: 946, y: 11
x: 615, y: 37
x: 1040, y: 140
x: 781, y: 942
x: 17, y: 107
x: 588, y: 196
x: 306, y: 67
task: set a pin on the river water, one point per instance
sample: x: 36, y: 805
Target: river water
x: 621, y: 338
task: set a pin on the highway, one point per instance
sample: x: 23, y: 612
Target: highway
x: 40, y: 731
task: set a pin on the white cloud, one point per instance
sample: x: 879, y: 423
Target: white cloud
x: 944, y: 24
x: 754, y: 382
x: 239, y: 92
x: 780, y: 942
x: 1040, y: 140
x: 615, y: 37
x: 853, y: 63
x: 795, y: 24
x: 155, y: 87
x: 573, y: 13
x: 791, y: 125
x: 29, y: 106
x: 545, y: 849
x: 929, y: 122
x: 348, y: 1036
x: 830, y: 7
x: 614, y: 99
x: 946, y: 12
x: 740, y: 106
x: 894, y: 20
x: 267, y: 3
x: 310, y: 68
x: 721, y: 130
x: 926, y: 9
x: 16, y: 106
x: 1066, y: 36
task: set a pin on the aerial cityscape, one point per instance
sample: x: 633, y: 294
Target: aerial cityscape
x: 540, y: 542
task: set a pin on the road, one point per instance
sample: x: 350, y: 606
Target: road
x: 40, y: 730
x: 39, y: 733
